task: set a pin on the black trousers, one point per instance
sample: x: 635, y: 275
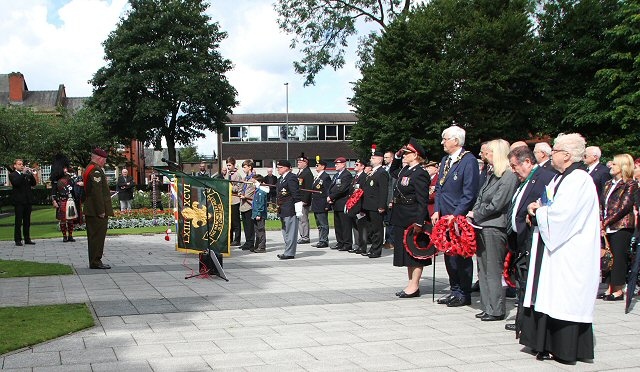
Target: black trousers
x: 342, y: 226
x: 249, y: 230
x: 22, y: 222
x: 376, y: 231
x: 460, y: 272
x: 235, y: 223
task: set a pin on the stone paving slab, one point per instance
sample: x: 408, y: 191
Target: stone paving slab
x: 325, y: 310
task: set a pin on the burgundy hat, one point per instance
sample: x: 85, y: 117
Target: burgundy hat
x: 414, y: 146
x: 419, y: 246
x: 340, y: 160
x: 100, y: 152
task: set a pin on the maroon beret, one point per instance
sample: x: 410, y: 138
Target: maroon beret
x: 100, y: 152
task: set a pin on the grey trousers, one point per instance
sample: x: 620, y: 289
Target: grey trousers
x: 491, y: 252
x: 303, y: 223
x: 290, y: 234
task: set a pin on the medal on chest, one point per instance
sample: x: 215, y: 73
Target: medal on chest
x: 405, y: 181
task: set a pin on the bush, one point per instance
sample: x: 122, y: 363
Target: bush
x: 138, y: 218
x: 141, y: 200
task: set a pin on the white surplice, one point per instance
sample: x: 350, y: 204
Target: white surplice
x: 570, y: 268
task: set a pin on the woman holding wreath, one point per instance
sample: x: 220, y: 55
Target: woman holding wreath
x: 410, y: 197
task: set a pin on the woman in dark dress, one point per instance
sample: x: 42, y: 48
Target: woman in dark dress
x: 410, y: 197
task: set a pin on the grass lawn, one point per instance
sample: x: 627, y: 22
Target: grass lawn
x: 13, y: 269
x: 45, y: 226
x: 25, y: 326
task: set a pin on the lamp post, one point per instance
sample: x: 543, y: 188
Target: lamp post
x: 287, y: 117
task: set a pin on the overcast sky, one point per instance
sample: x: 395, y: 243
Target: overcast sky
x: 55, y: 42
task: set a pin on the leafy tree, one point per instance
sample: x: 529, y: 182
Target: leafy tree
x: 37, y: 137
x: 189, y: 154
x: 609, y: 112
x: 324, y: 28
x: 451, y: 61
x: 570, y: 34
x: 164, y: 77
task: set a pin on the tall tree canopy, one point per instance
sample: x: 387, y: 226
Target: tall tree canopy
x: 164, y: 77
x: 324, y: 28
x: 436, y: 68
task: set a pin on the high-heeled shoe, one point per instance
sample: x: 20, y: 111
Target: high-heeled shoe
x: 410, y: 295
x: 613, y: 297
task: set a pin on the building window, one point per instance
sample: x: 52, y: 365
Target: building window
x: 331, y: 132
x: 254, y: 134
x: 45, y: 173
x: 4, y: 179
x: 347, y: 132
x: 110, y: 173
x: 274, y: 133
x: 237, y: 133
x: 311, y: 132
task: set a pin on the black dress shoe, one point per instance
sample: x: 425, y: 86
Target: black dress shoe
x: 304, y: 241
x: 101, y: 266
x: 445, y: 299
x: 459, y: 301
x: 510, y: 327
x: 491, y: 318
x: 284, y: 257
x: 344, y: 249
x: 542, y: 355
x: 30, y: 242
x: 476, y: 286
x: 365, y: 253
x: 65, y: 239
x: 613, y: 297
x: 19, y: 244
x: 321, y: 245
x: 480, y: 315
x: 602, y: 295
x: 373, y: 255
x: 335, y: 246
x: 246, y: 247
x: 410, y: 295
x: 71, y: 239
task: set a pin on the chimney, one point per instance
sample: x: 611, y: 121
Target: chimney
x: 17, y: 87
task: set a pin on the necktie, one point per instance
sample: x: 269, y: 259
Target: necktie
x: 447, y: 166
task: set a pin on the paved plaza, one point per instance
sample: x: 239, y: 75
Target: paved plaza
x: 323, y: 311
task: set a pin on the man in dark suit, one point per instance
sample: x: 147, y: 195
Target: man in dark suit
x: 125, y: 187
x: 338, y: 195
x: 598, y: 172
x: 288, y: 192
x: 456, y: 193
x: 533, y: 180
x: 319, y: 205
x: 22, y: 181
x: 271, y: 179
x: 376, y: 190
x: 305, y: 181
x: 542, y: 152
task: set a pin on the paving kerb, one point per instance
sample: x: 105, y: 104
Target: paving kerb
x: 324, y: 310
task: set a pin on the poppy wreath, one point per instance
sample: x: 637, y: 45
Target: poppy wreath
x: 508, y: 270
x: 354, y: 198
x: 455, y: 237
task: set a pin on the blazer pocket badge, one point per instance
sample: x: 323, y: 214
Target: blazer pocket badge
x: 405, y: 181
x: 284, y: 192
x: 371, y: 183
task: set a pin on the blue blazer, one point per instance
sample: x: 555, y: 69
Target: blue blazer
x: 457, y: 192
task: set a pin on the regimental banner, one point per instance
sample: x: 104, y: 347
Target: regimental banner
x: 203, y: 213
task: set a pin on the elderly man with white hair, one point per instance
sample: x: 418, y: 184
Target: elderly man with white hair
x: 564, y: 267
x: 456, y: 193
x: 542, y: 152
x: 598, y: 172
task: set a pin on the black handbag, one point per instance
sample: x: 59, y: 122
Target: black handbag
x: 606, y: 257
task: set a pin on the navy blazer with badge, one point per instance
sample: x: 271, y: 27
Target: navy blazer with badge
x: 411, y: 194
x: 287, y: 194
x: 600, y: 175
x: 339, y: 189
x: 305, y: 181
x: 532, y: 192
x: 376, y: 189
x: 319, y: 200
x: 457, y: 192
